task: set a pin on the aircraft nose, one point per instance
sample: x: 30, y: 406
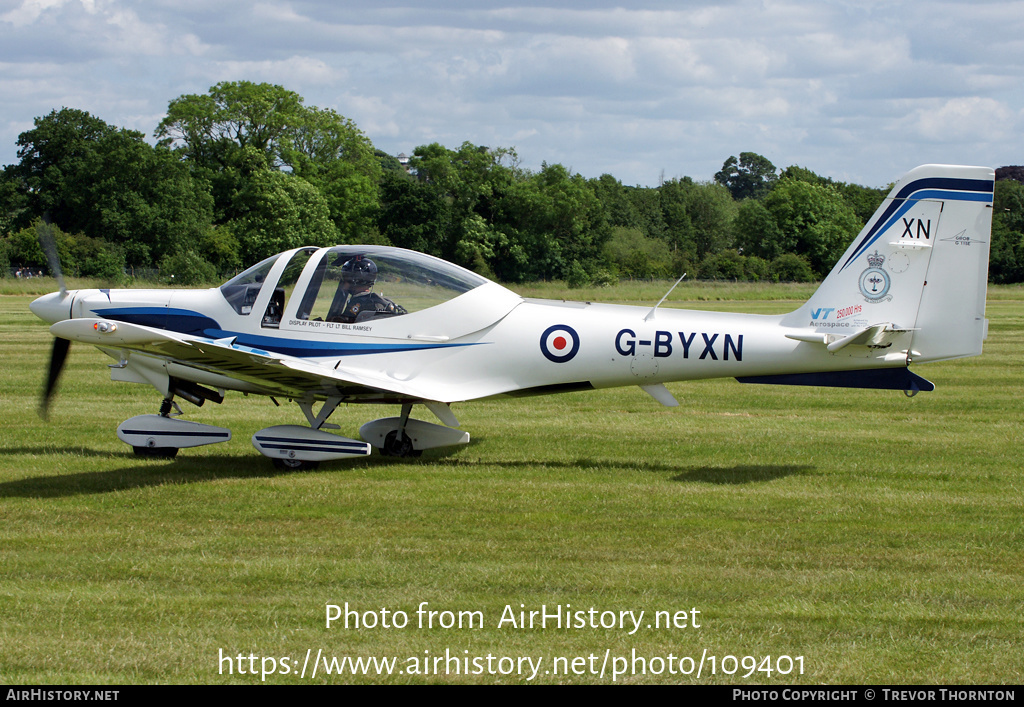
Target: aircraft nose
x: 53, y: 307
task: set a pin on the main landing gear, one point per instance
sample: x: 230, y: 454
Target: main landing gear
x: 296, y: 447
x: 406, y: 437
x: 396, y: 442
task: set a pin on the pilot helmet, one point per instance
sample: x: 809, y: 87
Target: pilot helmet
x: 359, y: 271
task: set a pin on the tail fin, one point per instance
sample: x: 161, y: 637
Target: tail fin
x: 919, y: 265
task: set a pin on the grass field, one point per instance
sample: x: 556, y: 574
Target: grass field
x: 879, y: 538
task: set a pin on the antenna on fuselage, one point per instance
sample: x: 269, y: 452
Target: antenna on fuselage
x: 650, y: 315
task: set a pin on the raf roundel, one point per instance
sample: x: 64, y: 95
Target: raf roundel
x: 559, y: 343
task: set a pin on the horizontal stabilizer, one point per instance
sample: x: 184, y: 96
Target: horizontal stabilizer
x: 877, y: 378
x: 877, y: 336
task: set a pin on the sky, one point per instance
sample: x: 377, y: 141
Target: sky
x: 857, y: 90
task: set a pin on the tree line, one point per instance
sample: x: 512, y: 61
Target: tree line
x: 247, y: 170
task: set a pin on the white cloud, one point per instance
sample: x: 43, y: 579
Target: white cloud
x: 293, y: 72
x: 373, y: 114
x: 965, y: 120
x: 841, y: 87
x: 29, y: 11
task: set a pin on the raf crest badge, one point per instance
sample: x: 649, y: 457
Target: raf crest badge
x: 874, y: 282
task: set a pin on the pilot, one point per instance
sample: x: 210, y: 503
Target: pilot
x: 353, y: 301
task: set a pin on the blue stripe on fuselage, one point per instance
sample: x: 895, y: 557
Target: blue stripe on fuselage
x: 318, y: 349
x: 185, y: 321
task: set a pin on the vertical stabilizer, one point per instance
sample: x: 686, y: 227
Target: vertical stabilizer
x: 920, y: 264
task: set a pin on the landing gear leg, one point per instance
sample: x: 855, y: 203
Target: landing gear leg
x: 166, y: 405
x: 396, y: 442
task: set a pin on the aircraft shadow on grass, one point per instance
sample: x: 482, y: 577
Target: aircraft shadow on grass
x: 157, y: 472
x: 137, y: 474
x: 211, y: 468
x: 743, y: 474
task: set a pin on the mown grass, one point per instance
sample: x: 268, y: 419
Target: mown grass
x: 880, y: 537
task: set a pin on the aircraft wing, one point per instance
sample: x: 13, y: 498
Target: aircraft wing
x: 271, y: 373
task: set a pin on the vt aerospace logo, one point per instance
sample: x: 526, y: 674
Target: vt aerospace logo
x: 559, y: 343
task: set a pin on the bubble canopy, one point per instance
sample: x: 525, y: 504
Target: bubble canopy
x: 414, y: 281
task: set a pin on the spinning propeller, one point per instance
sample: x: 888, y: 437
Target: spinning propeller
x: 59, y: 353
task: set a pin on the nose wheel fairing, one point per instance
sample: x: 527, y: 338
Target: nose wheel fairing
x: 157, y: 435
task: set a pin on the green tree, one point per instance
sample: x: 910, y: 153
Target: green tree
x: 232, y: 116
x: 240, y: 128
x: 278, y: 211
x: 756, y: 232
x: 813, y: 221
x: 463, y: 205
x: 13, y: 199
x: 411, y: 214
x: 634, y: 255
x: 863, y: 201
x: 24, y: 250
x: 331, y: 153
x: 220, y: 248
x: 576, y: 276
x: 726, y: 265
x: 615, y: 198
x: 712, y: 212
x: 572, y: 215
x: 80, y: 255
x: 674, y: 203
x: 388, y: 163
x: 530, y: 251
x: 790, y: 267
x: 756, y: 269
x: 699, y: 216
x: 108, y: 183
x: 186, y: 268
x: 648, y: 205
x: 749, y: 177
x: 479, y: 245
x: 1006, y: 262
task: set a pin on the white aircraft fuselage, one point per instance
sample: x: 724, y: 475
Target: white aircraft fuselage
x: 909, y: 289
